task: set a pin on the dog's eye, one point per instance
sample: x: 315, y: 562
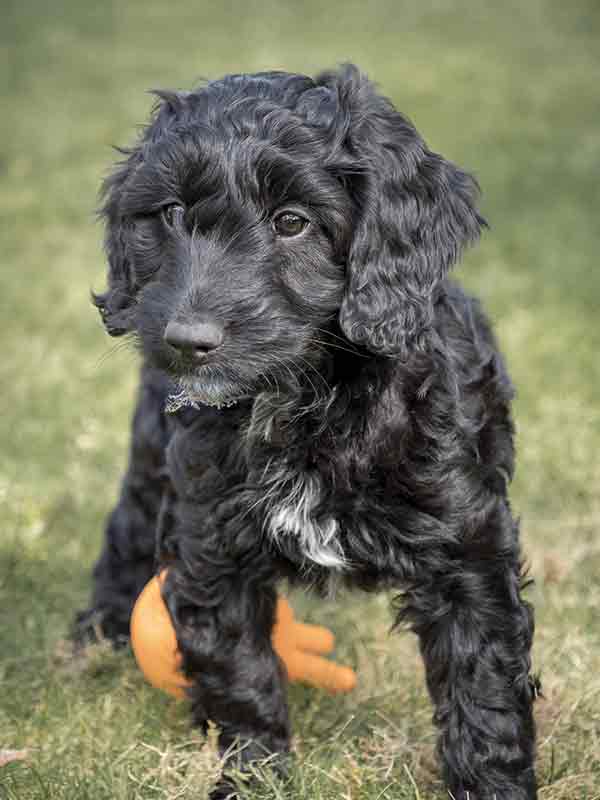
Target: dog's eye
x: 173, y: 215
x: 289, y: 224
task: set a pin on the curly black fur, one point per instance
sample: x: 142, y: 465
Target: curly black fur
x: 352, y: 426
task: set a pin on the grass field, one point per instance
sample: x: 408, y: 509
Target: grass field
x: 510, y: 90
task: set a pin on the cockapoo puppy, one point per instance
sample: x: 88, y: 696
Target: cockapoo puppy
x: 318, y: 403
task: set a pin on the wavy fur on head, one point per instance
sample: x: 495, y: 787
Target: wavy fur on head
x: 350, y: 422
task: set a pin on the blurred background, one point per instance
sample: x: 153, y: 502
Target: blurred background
x: 508, y: 90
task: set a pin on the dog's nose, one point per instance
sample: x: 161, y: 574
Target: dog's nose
x: 194, y: 339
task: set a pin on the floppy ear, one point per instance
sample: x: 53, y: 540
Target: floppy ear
x: 415, y: 213
x: 117, y: 304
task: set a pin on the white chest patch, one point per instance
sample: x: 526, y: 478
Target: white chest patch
x: 293, y: 516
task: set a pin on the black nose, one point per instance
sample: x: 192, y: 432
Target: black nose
x: 194, y: 339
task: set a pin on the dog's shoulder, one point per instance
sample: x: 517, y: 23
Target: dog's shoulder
x: 470, y: 345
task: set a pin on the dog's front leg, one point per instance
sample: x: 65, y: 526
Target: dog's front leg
x: 224, y: 613
x: 475, y: 634
x: 126, y: 563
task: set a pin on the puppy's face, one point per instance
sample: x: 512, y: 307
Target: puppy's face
x: 260, y: 214
x: 237, y: 289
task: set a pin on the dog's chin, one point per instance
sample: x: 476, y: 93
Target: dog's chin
x: 210, y: 390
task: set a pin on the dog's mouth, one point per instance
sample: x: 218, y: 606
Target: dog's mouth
x: 184, y: 399
x: 213, y: 390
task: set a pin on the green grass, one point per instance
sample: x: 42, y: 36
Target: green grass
x: 510, y: 90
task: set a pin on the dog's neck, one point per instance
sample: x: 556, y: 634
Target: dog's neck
x: 319, y: 403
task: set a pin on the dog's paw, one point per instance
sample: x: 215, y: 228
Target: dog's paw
x: 224, y: 791
x: 94, y: 626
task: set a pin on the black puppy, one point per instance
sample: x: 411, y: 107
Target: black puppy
x: 278, y: 246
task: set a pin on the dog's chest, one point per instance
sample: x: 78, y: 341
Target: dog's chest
x: 294, y: 514
x: 295, y: 503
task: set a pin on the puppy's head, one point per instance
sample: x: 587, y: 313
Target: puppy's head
x: 262, y: 213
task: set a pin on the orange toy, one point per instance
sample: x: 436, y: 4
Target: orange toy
x: 155, y: 646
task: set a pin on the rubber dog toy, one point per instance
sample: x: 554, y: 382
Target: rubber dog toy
x: 298, y: 645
